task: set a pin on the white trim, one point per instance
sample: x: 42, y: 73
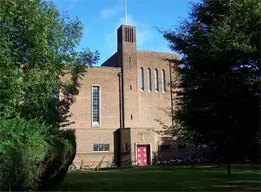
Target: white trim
x: 95, y: 124
x: 136, y: 152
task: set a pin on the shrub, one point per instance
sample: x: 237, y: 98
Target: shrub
x: 58, y: 162
x: 33, y: 155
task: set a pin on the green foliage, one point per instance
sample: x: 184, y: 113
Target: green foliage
x: 37, y: 48
x: 58, y: 162
x: 31, y: 151
x: 38, y: 60
x: 219, y: 89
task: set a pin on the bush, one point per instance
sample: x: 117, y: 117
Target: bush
x: 58, y: 162
x: 33, y: 155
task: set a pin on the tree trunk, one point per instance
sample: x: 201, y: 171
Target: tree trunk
x: 228, y: 167
x: 219, y: 157
x: 228, y: 160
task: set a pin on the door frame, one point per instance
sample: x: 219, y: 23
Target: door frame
x: 136, y: 152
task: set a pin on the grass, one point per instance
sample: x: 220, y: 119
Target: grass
x: 166, y: 178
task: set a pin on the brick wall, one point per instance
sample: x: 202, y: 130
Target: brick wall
x: 140, y: 108
x: 108, y: 80
x: 86, y: 137
x: 152, y: 103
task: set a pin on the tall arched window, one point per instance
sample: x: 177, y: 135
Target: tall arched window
x: 141, y: 79
x: 163, y: 80
x: 156, y: 80
x: 149, y: 79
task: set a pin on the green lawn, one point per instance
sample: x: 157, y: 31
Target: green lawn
x: 166, y: 178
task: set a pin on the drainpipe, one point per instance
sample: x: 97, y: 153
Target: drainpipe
x: 171, y: 95
x: 121, y: 100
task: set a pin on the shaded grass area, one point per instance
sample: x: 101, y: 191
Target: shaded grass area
x: 166, y: 178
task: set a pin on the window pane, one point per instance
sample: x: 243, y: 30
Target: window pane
x: 163, y: 80
x: 149, y: 79
x: 101, y: 147
x: 95, y: 104
x: 164, y: 148
x: 156, y: 78
x: 106, y: 147
x: 141, y: 79
x: 95, y: 147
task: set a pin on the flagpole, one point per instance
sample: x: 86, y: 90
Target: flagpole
x: 125, y: 11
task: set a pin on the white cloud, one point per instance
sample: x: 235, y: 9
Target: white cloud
x: 110, y: 12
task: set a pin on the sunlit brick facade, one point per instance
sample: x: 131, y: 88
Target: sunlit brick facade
x: 118, y: 103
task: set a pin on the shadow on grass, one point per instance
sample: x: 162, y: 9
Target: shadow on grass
x: 114, y: 168
x: 165, y: 178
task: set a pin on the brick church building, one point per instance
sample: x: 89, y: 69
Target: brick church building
x: 117, y: 105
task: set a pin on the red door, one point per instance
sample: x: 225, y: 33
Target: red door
x: 142, y: 157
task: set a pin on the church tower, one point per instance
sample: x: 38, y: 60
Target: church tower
x: 127, y: 59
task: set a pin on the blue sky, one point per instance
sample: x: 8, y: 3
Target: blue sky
x: 101, y: 18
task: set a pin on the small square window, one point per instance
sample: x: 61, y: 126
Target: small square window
x: 164, y: 148
x: 101, y: 147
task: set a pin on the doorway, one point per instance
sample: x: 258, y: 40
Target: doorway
x: 143, y: 154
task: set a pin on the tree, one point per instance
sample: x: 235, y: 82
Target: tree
x: 37, y: 48
x: 219, y: 73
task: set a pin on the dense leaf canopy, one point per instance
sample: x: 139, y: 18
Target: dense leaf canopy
x: 37, y: 44
x: 219, y: 81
